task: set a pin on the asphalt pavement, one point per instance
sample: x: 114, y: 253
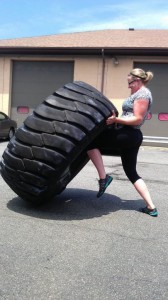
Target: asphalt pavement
x: 79, y: 247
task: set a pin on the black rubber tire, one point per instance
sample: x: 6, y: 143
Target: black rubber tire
x: 49, y: 149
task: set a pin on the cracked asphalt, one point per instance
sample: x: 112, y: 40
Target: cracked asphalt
x: 79, y: 247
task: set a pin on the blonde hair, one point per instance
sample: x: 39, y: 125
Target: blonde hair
x: 144, y: 76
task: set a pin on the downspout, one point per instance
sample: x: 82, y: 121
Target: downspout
x: 103, y: 71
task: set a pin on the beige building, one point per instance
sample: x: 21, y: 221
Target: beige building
x: 32, y: 68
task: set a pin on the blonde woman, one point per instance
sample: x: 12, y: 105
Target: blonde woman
x: 128, y: 136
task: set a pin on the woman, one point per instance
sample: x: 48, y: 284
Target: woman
x: 129, y: 137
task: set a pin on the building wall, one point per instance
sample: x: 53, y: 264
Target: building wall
x: 86, y: 68
x: 112, y: 72
x: 89, y: 70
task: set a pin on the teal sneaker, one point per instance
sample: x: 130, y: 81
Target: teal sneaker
x: 103, y: 184
x: 151, y: 212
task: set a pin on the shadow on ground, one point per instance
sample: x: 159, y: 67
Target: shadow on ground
x: 74, y: 204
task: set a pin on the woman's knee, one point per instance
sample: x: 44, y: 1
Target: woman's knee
x: 133, y: 176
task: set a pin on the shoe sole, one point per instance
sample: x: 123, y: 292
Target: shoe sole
x: 153, y: 215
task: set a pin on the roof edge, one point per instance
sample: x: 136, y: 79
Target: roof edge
x: 82, y: 51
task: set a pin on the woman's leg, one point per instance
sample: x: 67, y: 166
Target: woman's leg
x: 94, y: 153
x: 97, y: 160
x: 129, y: 159
x: 129, y: 162
x: 144, y: 193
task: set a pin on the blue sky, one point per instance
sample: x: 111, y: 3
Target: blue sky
x: 28, y: 18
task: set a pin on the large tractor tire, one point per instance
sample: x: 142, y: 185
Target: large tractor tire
x: 49, y: 149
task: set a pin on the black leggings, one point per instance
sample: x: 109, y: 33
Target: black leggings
x: 128, y: 140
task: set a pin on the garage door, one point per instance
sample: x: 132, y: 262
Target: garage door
x: 33, y: 81
x: 155, y: 129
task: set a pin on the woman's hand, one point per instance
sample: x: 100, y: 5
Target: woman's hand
x: 111, y: 119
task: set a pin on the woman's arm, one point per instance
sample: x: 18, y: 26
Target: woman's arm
x: 139, y: 110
